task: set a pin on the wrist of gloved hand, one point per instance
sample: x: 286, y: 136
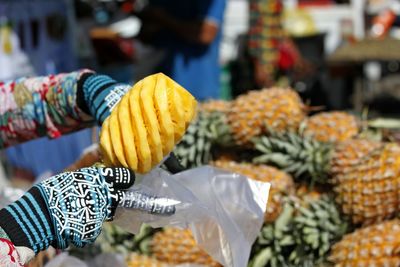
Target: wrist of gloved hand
x: 98, y: 94
x: 67, y: 208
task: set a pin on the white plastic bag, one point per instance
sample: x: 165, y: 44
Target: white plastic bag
x: 224, y: 211
x: 65, y: 260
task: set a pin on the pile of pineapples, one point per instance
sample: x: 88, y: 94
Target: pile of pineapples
x: 334, y: 194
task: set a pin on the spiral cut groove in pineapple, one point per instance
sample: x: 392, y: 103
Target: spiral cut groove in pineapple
x: 146, y: 124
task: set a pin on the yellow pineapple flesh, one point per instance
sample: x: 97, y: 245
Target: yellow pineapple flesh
x: 146, y: 124
x: 137, y: 260
x: 369, y: 191
x: 281, y: 183
x: 177, y: 246
x: 335, y: 126
x: 349, y: 153
x: 377, y: 245
x: 277, y: 109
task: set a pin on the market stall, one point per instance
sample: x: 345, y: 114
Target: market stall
x: 272, y: 175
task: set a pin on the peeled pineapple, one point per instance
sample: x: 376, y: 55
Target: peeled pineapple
x: 281, y: 183
x: 376, y: 245
x: 331, y: 127
x: 275, y: 108
x: 369, y: 191
x: 176, y: 246
x: 146, y: 124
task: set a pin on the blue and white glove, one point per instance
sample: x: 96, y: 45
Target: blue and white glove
x: 67, y: 208
x: 98, y: 94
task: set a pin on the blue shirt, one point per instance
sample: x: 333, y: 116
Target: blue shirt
x: 194, y: 66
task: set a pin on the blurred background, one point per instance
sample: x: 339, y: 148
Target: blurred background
x: 336, y: 54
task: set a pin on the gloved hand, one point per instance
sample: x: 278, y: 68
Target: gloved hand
x: 98, y: 94
x: 67, y: 208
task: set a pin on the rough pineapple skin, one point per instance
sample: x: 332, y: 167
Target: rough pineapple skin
x: 137, y: 260
x: 176, y: 246
x: 252, y: 114
x: 369, y: 191
x: 146, y: 124
x: 215, y: 106
x: 376, y: 245
x: 281, y: 183
x: 349, y: 153
x: 331, y: 127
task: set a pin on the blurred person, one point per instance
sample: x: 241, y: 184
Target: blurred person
x: 188, y: 33
x: 270, y: 49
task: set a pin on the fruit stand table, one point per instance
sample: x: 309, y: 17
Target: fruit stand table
x: 350, y: 59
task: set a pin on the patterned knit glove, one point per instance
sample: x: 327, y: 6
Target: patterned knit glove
x: 98, y: 95
x: 67, y: 208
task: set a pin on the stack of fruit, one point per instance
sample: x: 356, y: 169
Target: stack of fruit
x: 358, y: 179
x: 328, y: 179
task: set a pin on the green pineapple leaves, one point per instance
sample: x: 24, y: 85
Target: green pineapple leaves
x: 207, y: 130
x: 300, y: 156
x: 301, y: 236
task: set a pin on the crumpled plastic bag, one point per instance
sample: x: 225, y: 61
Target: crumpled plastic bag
x: 64, y: 260
x: 101, y: 260
x: 224, y: 211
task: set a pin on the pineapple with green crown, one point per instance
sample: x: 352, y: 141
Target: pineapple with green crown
x: 301, y: 236
x: 364, y: 172
x: 222, y: 123
x: 305, y: 157
x: 206, y: 131
x: 280, y: 108
x: 325, y: 144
